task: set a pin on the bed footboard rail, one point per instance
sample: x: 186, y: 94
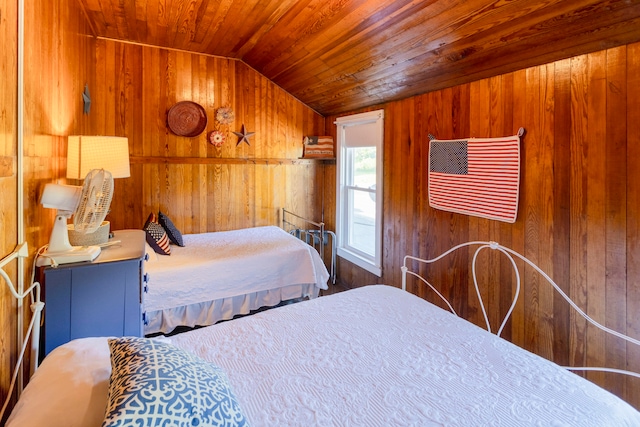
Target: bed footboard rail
x: 510, y: 254
x: 314, y: 234
x: 33, y: 330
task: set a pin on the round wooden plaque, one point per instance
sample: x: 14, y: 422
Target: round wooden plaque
x: 187, y: 118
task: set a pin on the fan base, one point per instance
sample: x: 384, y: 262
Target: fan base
x: 76, y: 254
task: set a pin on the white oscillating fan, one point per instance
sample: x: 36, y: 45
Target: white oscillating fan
x: 89, y: 206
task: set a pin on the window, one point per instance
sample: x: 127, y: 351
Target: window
x: 359, y: 189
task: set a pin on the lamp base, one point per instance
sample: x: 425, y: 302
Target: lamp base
x: 75, y: 254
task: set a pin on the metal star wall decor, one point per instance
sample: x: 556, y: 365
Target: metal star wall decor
x: 244, y: 135
x: 86, y: 100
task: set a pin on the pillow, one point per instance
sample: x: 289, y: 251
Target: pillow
x: 174, y: 234
x: 69, y: 389
x: 154, y: 383
x: 156, y: 236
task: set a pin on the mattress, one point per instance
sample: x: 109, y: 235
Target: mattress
x: 373, y: 356
x: 218, y: 275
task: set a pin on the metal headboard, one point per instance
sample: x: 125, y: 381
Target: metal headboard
x: 510, y: 253
x: 312, y: 233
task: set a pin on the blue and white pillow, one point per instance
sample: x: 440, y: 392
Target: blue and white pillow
x: 154, y: 383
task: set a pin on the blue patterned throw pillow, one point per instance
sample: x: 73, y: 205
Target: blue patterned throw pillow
x: 154, y: 383
x: 172, y: 231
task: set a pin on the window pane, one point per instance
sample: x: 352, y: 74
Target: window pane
x: 359, y: 190
x: 362, y: 221
x: 363, y: 161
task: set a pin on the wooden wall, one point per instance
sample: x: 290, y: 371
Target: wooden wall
x: 58, y: 61
x: 8, y: 184
x: 200, y: 186
x: 58, y: 65
x: 579, y: 209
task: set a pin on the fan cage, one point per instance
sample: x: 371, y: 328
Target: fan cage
x: 97, y: 193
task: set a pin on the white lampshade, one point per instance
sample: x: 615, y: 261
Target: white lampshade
x: 85, y: 153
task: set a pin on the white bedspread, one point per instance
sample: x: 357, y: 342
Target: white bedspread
x: 373, y: 356
x: 225, y: 264
x: 378, y: 356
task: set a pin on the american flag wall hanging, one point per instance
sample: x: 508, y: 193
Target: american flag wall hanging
x: 476, y: 176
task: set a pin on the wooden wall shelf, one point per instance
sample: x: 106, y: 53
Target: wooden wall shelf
x: 318, y: 158
x: 218, y: 161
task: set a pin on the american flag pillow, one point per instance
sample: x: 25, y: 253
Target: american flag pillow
x: 157, y: 236
x: 476, y: 176
x: 318, y: 147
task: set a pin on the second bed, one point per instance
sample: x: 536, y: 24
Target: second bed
x: 219, y: 275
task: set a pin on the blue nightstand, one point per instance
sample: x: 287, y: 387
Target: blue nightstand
x: 99, y: 298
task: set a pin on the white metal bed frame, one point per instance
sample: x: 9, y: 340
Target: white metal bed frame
x: 310, y: 231
x: 21, y: 252
x: 509, y: 253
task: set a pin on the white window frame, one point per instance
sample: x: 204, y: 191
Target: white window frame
x: 373, y: 264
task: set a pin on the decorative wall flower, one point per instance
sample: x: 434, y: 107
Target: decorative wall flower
x: 225, y: 115
x: 216, y: 138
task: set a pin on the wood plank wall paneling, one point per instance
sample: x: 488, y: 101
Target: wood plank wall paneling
x: 8, y: 185
x: 200, y: 186
x: 579, y: 211
x: 58, y: 63
x: 339, y: 55
x: 632, y: 208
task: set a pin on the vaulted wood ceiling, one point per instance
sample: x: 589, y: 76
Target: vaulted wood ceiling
x: 340, y: 55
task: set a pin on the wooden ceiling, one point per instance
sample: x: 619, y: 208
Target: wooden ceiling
x: 340, y: 55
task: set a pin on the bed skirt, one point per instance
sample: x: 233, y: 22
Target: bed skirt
x: 210, y: 312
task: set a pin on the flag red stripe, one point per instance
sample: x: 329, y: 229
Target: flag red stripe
x: 476, y: 195
x: 474, y: 203
x: 477, y: 210
x: 468, y: 192
x: 490, y: 181
x: 480, y: 203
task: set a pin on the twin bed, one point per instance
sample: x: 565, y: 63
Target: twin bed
x: 371, y: 356
x: 227, y: 273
